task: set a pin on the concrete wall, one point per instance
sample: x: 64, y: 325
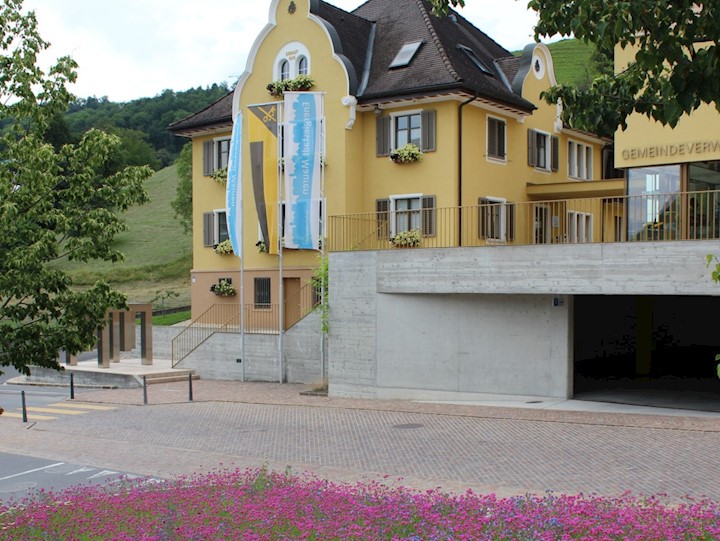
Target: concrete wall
x: 217, y: 357
x: 629, y: 268
x: 444, y: 324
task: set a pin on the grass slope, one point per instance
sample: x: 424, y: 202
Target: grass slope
x: 572, y: 61
x: 158, y: 254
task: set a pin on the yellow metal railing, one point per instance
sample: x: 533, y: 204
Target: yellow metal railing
x: 259, y: 319
x: 648, y: 217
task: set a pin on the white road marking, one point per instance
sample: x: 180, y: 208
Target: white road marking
x: 103, y: 473
x: 81, y: 470
x: 31, y: 471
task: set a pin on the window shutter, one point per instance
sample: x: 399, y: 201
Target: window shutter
x: 482, y: 217
x: 555, y: 154
x: 382, y: 210
x: 208, y: 228
x: 382, y: 136
x: 510, y: 225
x: 492, y: 128
x: 428, y: 130
x: 428, y: 216
x: 501, y: 139
x: 208, y: 158
x: 532, y: 148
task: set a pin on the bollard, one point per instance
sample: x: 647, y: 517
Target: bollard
x: 24, y: 408
x: 145, y: 390
x: 72, y: 386
x: 190, y: 396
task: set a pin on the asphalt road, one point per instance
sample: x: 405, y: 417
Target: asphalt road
x: 22, y: 476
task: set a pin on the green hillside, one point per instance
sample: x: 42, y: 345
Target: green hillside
x: 158, y: 254
x: 572, y: 60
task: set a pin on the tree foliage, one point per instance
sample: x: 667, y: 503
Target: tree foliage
x: 676, y: 65
x: 182, y: 204
x: 54, y: 203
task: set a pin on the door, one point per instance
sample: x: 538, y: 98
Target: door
x: 291, y: 288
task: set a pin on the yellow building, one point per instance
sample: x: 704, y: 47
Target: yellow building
x: 391, y: 73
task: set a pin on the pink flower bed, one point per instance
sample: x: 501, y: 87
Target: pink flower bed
x: 261, y: 505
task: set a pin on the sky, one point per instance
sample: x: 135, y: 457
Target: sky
x: 129, y: 49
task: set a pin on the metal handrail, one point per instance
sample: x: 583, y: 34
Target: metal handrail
x: 628, y: 218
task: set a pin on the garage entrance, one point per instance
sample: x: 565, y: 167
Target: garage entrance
x: 647, y: 350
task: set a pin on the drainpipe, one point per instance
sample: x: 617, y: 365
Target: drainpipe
x: 460, y: 164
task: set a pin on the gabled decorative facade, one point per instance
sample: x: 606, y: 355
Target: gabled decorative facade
x: 436, y: 137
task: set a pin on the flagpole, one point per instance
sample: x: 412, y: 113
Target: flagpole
x: 281, y: 300
x: 241, y: 231
x: 323, y: 240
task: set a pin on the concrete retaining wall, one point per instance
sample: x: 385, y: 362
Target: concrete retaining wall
x: 217, y: 358
x: 452, y: 323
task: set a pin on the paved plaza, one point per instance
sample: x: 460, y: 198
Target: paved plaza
x: 506, y: 450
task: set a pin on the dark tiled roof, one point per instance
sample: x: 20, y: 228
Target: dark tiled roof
x: 439, y: 63
x: 217, y: 113
x: 350, y: 35
x: 509, y: 66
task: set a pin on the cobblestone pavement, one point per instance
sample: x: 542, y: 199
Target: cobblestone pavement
x: 455, y: 447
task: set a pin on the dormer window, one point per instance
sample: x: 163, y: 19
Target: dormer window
x: 406, y: 54
x: 475, y: 59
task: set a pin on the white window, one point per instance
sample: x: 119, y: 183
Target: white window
x: 543, y: 150
x: 215, y: 229
x: 405, y: 213
x: 303, y: 66
x: 542, y: 224
x: 215, y: 155
x: 284, y: 70
x: 580, y: 161
x: 579, y: 226
x: 496, y: 221
x: 292, y: 60
x: 496, y: 138
x: 399, y: 129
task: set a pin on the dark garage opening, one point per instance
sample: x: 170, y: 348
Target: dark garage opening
x: 647, y: 350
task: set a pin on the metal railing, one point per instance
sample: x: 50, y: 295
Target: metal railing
x: 259, y: 319
x: 647, y: 217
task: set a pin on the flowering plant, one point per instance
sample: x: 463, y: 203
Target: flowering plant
x: 406, y: 154
x: 408, y: 238
x: 220, y: 175
x: 299, y: 83
x: 261, y: 247
x: 224, y: 248
x: 223, y: 288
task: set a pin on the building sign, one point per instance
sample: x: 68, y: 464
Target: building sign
x: 303, y: 113
x: 674, y: 150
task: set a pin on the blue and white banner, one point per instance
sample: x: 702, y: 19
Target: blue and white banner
x: 303, y: 113
x: 233, y: 194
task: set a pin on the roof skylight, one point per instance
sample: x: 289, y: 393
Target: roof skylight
x: 406, y: 54
x: 475, y: 59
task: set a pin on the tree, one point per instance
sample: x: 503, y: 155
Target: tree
x: 676, y: 65
x: 54, y: 204
x: 182, y: 204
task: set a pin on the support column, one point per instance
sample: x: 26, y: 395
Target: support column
x: 114, y: 324
x: 127, y: 330
x: 103, y: 346
x: 146, y: 351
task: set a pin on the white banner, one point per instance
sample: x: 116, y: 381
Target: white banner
x: 303, y: 114
x: 233, y: 194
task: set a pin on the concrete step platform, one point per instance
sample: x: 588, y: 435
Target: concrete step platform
x: 125, y: 374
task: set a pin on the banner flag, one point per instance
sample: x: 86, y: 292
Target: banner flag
x: 233, y: 193
x: 263, y: 138
x: 303, y: 113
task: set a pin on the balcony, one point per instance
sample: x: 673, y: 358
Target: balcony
x: 652, y: 217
